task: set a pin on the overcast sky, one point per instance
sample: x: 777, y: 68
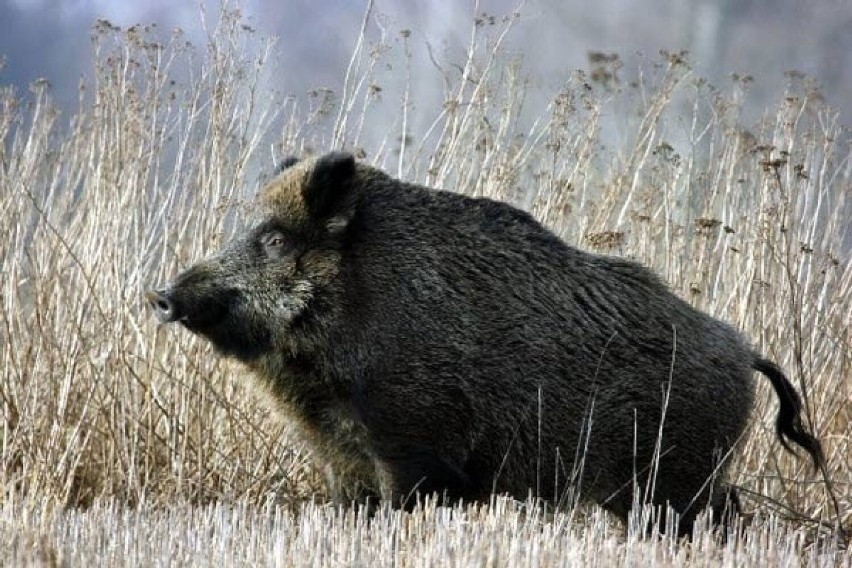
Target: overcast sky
x: 764, y: 38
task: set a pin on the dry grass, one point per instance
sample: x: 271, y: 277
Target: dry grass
x: 122, y: 443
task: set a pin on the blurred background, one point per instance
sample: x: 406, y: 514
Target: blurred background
x: 760, y: 38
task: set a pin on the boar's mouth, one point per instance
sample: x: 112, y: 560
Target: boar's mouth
x: 210, y: 317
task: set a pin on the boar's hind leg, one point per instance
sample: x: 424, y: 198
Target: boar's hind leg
x: 413, y: 470
x: 724, y: 503
x: 726, y: 508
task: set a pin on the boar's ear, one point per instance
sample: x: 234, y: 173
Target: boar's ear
x: 326, y: 193
x: 287, y: 163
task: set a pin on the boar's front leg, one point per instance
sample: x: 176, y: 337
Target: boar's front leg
x: 410, y: 471
x: 420, y: 448
x: 347, y: 487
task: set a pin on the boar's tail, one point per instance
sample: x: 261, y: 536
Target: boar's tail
x: 788, y: 425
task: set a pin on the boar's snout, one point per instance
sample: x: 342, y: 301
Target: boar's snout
x: 212, y: 309
x: 164, y: 307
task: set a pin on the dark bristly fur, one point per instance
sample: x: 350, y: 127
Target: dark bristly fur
x: 424, y: 341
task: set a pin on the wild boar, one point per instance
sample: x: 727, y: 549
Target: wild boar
x: 428, y: 342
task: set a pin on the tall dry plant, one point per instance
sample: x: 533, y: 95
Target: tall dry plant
x: 749, y: 222
x: 137, y: 183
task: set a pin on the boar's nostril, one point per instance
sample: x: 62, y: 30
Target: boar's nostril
x: 163, y: 306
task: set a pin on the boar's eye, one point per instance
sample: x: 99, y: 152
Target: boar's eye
x: 276, y: 244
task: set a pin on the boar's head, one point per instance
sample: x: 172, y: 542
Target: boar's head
x: 247, y: 297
